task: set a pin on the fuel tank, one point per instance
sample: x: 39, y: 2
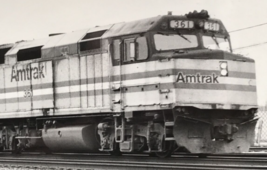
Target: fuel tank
x: 81, y: 138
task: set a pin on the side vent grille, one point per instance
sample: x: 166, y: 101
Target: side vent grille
x: 2, y: 55
x: 29, y: 54
x: 91, y: 41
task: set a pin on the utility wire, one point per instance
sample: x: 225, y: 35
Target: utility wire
x: 248, y: 27
x: 253, y: 45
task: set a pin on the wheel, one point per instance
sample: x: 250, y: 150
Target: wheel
x: 116, y: 150
x: 169, y: 146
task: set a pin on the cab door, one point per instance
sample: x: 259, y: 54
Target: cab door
x: 128, y: 54
x: 116, y: 76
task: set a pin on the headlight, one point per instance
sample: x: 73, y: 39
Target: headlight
x: 224, y: 72
x: 224, y: 68
x: 223, y: 65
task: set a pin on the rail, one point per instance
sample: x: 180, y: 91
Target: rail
x: 97, y: 162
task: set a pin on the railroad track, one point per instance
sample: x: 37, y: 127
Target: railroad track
x: 258, y: 149
x: 97, y: 162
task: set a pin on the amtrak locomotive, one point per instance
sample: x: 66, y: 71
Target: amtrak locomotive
x: 155, y: 86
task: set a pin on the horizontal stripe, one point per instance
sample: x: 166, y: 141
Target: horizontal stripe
x: 158, y: 73
x: 233, y: 66
x: 162, y: 73
x: 133, y: 76
x: 27, y: 99
x: 211, y: 65
x: 138, y: 82
x: 216, y: 87
x: 43, y: 91
x: 11, y: 100
x: 197, y: 96
x: 21, y: 88
x: 132, y: 89
x: 42, y: 97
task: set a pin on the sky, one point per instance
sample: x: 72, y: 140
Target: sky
x: 35, y: 19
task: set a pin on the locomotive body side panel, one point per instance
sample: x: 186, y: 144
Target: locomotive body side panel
x: 19, y: 77
x: 98, y: 80
x: 27, y: 88
x: 75, y: 83
x: 106, y: 79
x: 146, y: 85
x: 62, y: 84
x: 91, y: 86
x: 2, y: 91
x: 42, y: 88
x: 81, y: 84
x: 84, y: 82
x: 11, y: 90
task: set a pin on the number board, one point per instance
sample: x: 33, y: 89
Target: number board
x: 212, y: 26
x: 182, y: 24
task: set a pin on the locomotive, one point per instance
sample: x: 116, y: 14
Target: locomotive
x: 151, y: 86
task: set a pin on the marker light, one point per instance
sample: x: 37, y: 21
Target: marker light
x: 164, y: 26
x: 199, y: 24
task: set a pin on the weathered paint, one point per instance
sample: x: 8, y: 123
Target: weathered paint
x: 26, y: 87
x: 83, y: 83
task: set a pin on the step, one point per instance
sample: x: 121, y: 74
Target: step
x: 169, y: 139
x: 169, y: 123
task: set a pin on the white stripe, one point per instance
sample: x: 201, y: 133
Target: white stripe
x: 14, y: 95
x: 215, y: 96
x: 237, y: 81
x: 62, y: 89
x: 143, y: 67
x: 42, y: 91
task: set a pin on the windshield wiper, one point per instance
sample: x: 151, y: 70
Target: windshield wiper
x: 215, y: 40
x: 181, y: 35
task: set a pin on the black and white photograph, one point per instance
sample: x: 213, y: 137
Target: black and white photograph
x: 133, y: 84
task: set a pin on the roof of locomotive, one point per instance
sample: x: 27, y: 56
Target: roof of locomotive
x: 3, y: 46
x: 54, y: 43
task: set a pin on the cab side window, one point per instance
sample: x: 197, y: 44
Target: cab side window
x: 130, y: 49
x: 116, y: 49
x: 142, y: 48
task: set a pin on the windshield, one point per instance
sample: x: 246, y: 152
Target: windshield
x: 212, y: 42
x: 175, y: 41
